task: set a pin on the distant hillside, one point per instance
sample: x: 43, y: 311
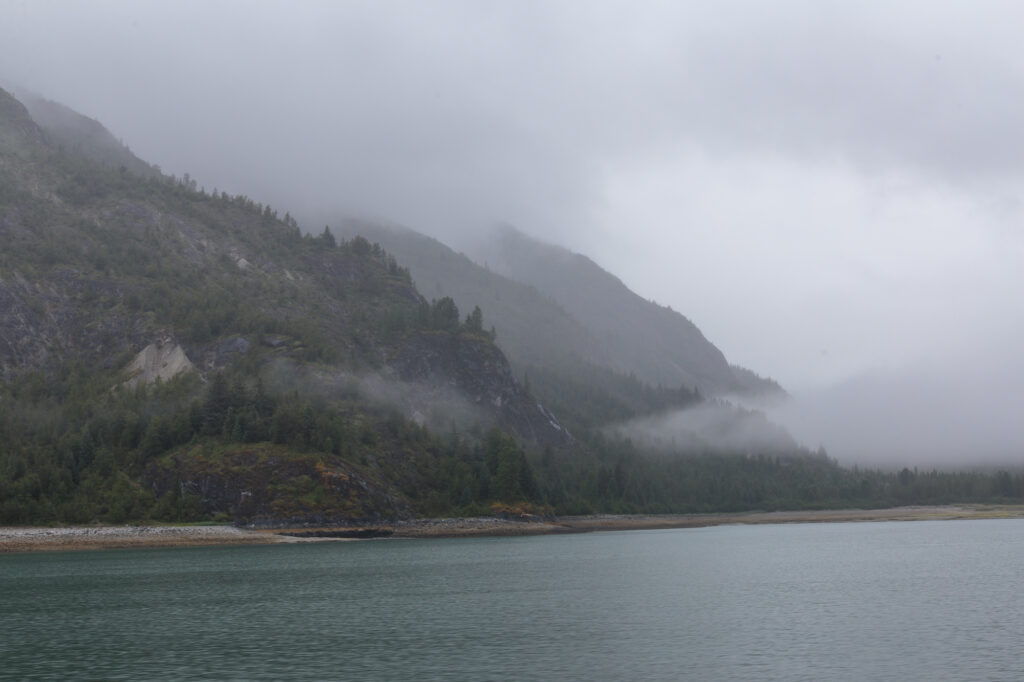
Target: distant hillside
x: 657, y: 344
x: 532, y: 328
x: 172, y: 355
x: 82, y: 135
x: 558, y: 310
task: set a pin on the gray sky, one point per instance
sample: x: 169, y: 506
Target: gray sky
x: 830, y: 190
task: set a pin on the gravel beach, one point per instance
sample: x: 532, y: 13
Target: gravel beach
x: 24, y: 539
x: 125, y: 537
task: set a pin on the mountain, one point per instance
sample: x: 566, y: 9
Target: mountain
x: 558, y: 311
x: 82, y: 135
x: 645, y: 385
x: 172, y: 355
x: 162, y: 346
x: 530, y: 327
x: 657, y: 344
x: 101, y: 262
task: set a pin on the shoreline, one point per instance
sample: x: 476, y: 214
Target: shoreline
x: 74, y: 538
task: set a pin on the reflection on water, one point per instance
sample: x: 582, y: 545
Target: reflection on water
x: 899, y: 601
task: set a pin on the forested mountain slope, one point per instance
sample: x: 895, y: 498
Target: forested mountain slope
x: 657, y: 344
x: 108, y: 276
x: 530, y: 327
x: 81, y: 135
x: 168, y: 354
x: 558, y: 311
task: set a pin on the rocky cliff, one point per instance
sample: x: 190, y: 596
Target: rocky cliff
x: 470, y: 371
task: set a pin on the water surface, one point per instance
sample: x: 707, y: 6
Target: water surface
x: 925, y: 600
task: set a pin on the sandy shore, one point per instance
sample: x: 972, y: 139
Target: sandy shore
x: 123, y: 537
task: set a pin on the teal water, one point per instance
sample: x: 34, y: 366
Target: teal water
x: 858, y: 601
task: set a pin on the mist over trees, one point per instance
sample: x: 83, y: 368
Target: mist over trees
x: 793, y: 187
x: 278, y: 423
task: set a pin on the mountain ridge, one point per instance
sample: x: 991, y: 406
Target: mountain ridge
x: 82, y: 135
x: 313, y: 384
x: 301, y: 342
x: 655, y: 342
x: 539, y: 322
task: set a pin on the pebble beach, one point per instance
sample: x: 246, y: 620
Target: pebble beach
x: 37, y: 539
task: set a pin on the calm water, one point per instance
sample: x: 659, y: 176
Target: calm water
x: 859, y: 601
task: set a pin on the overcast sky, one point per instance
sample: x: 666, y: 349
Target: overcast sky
x: 831, y: 191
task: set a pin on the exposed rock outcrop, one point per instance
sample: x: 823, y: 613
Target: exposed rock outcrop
x: 162, y: 360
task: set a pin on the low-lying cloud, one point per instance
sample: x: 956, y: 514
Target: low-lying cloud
x: 821, y: 187
x: 958, y: 418
x: 712, y: 426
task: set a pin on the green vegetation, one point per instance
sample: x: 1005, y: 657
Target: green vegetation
x: 298, y: 341
x: 183, y: 451
x: 180, y: 451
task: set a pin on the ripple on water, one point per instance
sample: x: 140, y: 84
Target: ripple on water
x: 854, y: 601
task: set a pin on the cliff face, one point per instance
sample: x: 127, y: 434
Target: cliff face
x: 473, y: 368
x: 48, y: 318
x: 158, y: 362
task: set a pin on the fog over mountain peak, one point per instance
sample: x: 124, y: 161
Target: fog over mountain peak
x: 824, y: 191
